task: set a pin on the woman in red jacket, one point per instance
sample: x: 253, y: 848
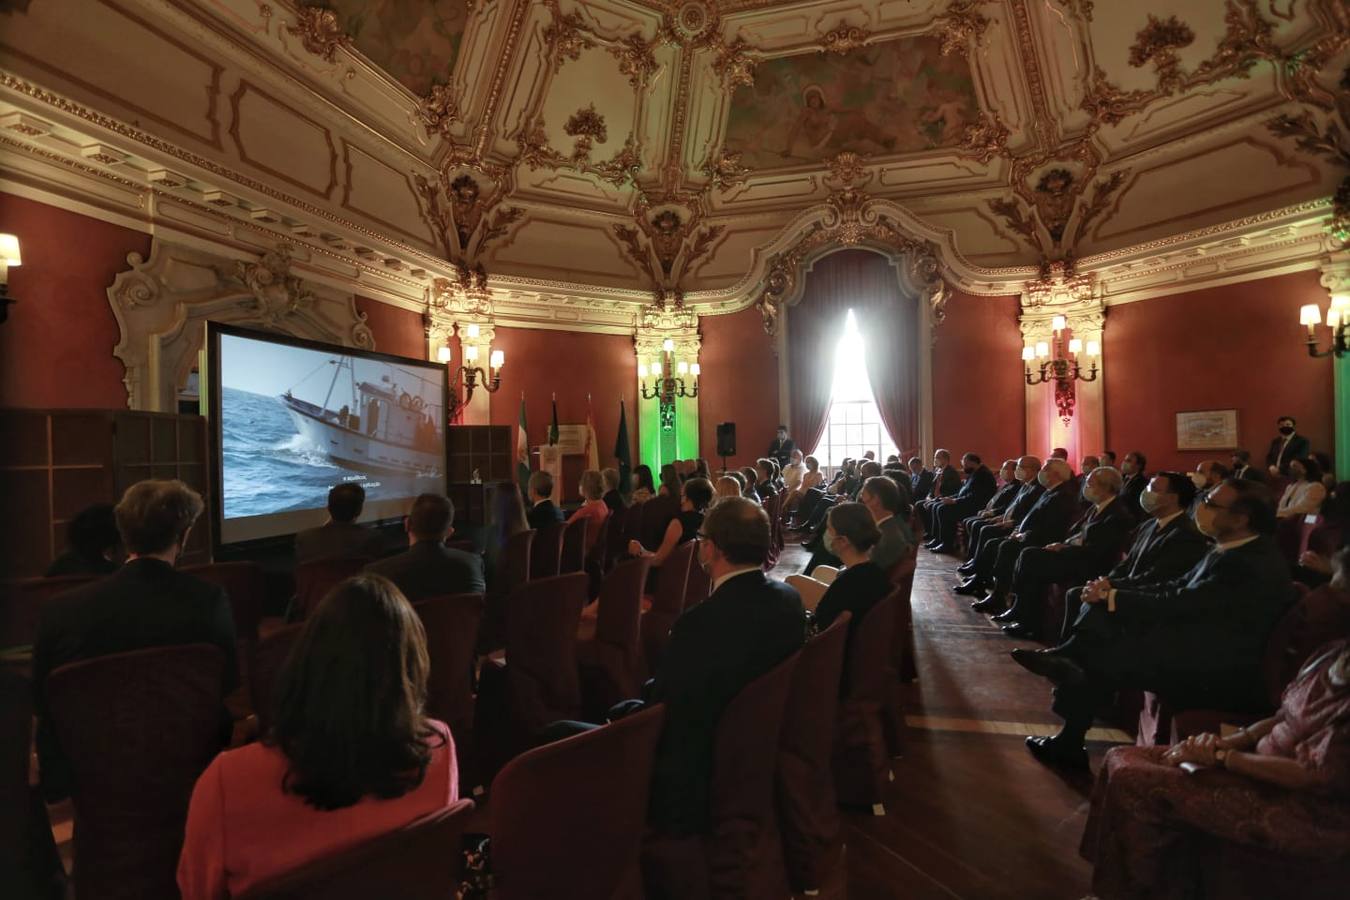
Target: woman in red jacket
x: 350, y: 755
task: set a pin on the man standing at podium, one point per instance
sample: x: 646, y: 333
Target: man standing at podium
x: 781, y: 448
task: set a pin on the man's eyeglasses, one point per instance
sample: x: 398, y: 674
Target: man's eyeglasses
x: 1208, y: 500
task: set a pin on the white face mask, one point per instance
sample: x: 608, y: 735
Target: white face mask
x: 1150, y: 500
x: 1199, y: 480
x: 1092, y: 495
x: 1043, y: 477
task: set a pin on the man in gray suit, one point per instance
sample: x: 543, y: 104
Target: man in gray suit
x: 428, y: 568
x: 882, y: 499
x: 340, y: 536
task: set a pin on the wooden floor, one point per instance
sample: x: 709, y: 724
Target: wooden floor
x: 970, y: 814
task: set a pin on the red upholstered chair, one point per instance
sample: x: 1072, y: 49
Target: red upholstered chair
x: 667, y: 604
x: 137, y: 730
x: 902, y: 576
x: 861, y: 754
x: 245, y: 585
x: 420, y: 861
x: 656, y: 515
x: 546, y: 553
x: 313, y: 581
x: 804, y: 790
x: 572, y: 556
x: 514, y: 567
x: 632, y: 524
x: 265, y: 661
x: 464, y: 546
x: 537, y: 683
x: 616, y: 537
x: 609, y: 654
x: 21, y: 605
x: 1251, y: 871
x: 699, y: 586
x: 17, y: 799
x: 451, y: 623
x: 597, y: 551
x: 566, y: 819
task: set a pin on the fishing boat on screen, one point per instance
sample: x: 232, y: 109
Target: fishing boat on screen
x: 384, y: 428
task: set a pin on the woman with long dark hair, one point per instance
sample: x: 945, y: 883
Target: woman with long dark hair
x: 351, y: 754
x: 644, y: 488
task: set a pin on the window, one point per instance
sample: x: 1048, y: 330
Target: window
x: 854, y: 424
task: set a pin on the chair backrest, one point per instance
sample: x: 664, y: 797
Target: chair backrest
x: 1315, y: 618
x: 541, y: 650
x: 616, y: 538
x: 137, y: 729
x: 672, y: 579
x: 567, y: 818
x: 597, y: 548
x: 621, y: 604
x: 420, y: 861
x: 656, y: 515
x: 804, y: 789
x: 451, y: 624
x: 245, y: 586
x: 870, y: 667
x: 572, y: 556
x: 467, y: 546
x: 16, y: 736
x: 314, y: 579
x: 513, y: 568
x: 265, y: 662
x: 699, y: 586
x: 632, y: 523
x: 546, y: 554
x: 21, y: 605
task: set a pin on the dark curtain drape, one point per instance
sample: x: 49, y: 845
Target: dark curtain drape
x: 888, y: 320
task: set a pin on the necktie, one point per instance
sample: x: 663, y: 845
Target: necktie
x: 1143, y: 551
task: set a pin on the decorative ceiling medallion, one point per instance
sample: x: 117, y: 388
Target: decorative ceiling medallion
x: 319, y: 31
x: 1158, y: 42
x: 986, y: 138
x: 960, y: 26
x: 588, y: 127
x: 439, y: 109
x: 636, y: 59
x: 536, y: 153
x: 724, y: 170
x: 734, y: 65
x: 666, y: 245
x: 844, y: 38
x: 689, y: 24
x: 848, y: 167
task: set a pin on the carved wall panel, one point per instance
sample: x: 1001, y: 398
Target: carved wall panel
x: 282, y: 142
x: 377, y: 191
x: 162, y: 305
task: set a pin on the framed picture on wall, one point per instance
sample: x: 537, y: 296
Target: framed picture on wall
x: 1207, y: 429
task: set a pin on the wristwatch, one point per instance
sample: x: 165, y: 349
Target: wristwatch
x: 1221, y: 757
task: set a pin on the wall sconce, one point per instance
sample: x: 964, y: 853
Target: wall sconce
x: 668, y: 382
x: 1338, y: 320
x: 1064, y: 366
x: 470, y: 374
x: 9, y: 256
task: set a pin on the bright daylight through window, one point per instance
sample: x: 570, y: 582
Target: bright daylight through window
x: 854, y: 425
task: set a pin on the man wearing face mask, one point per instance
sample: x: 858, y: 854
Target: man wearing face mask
x: 1009, y: 487
x: 1199, y: 641
x: 1165, y: 547
x: 1091, y: 548
x: 1045, y: 523
x: 985, y: 529
x: 1207, y: 475
x: 978, y: 487
x: 1287, y: 447
x: 1243, y: 468
x: 946, y: 482
x: 1135, y: 470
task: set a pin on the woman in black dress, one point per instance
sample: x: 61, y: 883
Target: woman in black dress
x: 850, y: 535
x: 696, y: 494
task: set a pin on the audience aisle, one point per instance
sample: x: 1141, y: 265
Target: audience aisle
x: 970, y: 814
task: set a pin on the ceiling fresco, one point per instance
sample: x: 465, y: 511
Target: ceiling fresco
x: 414, y: 41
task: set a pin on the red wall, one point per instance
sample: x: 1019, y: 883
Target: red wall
x: 1238, y: 346
x: 398, y: 331
x: 979, y: 396
x: 56, y: 348
x: 739, y: 384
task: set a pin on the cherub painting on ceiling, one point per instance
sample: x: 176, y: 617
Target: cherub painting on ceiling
x: 901, y: 96
x: 414, y: 41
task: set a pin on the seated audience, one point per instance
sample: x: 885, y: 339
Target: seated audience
x: 860, y: 584
x: 340, y: 536
x: 764, y: 486
x: 982, y: 530
x: 506, y: 521
x: 748, y: 625
x: 794, y: 472
x: 1198, y: 641
x: 1135, y: 471
x: 428, y: 568
x: 1243, y: 468
x: 727, y: 487
x: 700, y: 469
x: 1305, y: 492
x: 920, y: 479
x: 146, y: 603
x: 1281, y: 785
x: 885, y: 502
x: 696, y: 496
x: 1208, y: 474
x: 350, y: 756
x: 1328, y: 470
x: 946, y: 482
x: 671, y: 481
x: 1107, y: 459
x: 644, y: 488
x: 1008, y: 489
x: 1286, y: 447
x: 1046, y: 522
x: 613, y: 498
x: 1091, y: 549
x: 594, y: 510
x: 93, y: 546
x: 1059, y: 453
x: 740, y: 481
x: 946, y: 514
x: 543, y: 511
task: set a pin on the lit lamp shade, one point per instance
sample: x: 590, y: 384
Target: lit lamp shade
x: 1058, y: 323
x: 1042, y: 349
x: 1339, y: 311
x: 1094, y: 348
x: 471, y: 354
x: 443, y: 353
x: 497, y: 359
x: 696, y: 370
x: 656, y: 370
x: 1028, y: 353
x: 683, y: 368
x: 9, y: 250
x: 1075, y: 345
x: 1311, y: 315
x: 668, y: 345
x: 473, y: 331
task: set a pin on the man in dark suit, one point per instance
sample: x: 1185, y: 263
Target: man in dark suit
x: 1243, y: 468
x: 1289, y: 446
x: 1092, y: 548
x: 1135, y: 470
x: 883, y: 500
x: 1166, y: 546
x: 543, y: 511
x: 1009, y: 487
x: 920, y: 479
x: 781, y: 448
x: 428, y: 568
x: 976, y: 490
x: 147, y: 603
x: 1047, y: 522
x: 1207, y: 476
x: 747, y: 626
x: 613, y: 499
x: 946, y: 482
x: 340, y: 536
x: 1199, y: 641
x: 984, y: 528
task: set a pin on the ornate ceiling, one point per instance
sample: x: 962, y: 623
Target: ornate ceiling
x: 569, y: 160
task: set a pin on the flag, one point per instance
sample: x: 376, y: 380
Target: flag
x: 523, y: 451
x: 553, y: 426
x: 592, y: 446
x: 621, y: 452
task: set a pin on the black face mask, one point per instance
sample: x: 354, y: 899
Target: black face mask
x: 1286, y: 430
x: 969, y: 470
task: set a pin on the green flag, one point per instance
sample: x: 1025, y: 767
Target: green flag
x: 523, y: 451
x: 553, y: 426
x: 623, y: 454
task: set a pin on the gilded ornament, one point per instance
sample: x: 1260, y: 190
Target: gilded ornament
x: 960, y: 26
x: 724, y: 170
x: 588, y: 127
x: 319, y: 31
x: 566, y: 37
x: 636, y: 60
x: 848, y: 167
x: 734, y: 64
x: 438, y: 109
x: 844, y: 38
x: 276, y: 293
x: 1157, y: 42
x: 985, y: 138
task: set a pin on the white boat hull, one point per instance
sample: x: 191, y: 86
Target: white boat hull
x: 352, y: 449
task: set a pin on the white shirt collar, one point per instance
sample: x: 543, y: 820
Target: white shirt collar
x: 884, y: 519
x: 1233, y: 545
x: 732, y: 574
x: 1163, y: 523
x: 1105, y: 503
